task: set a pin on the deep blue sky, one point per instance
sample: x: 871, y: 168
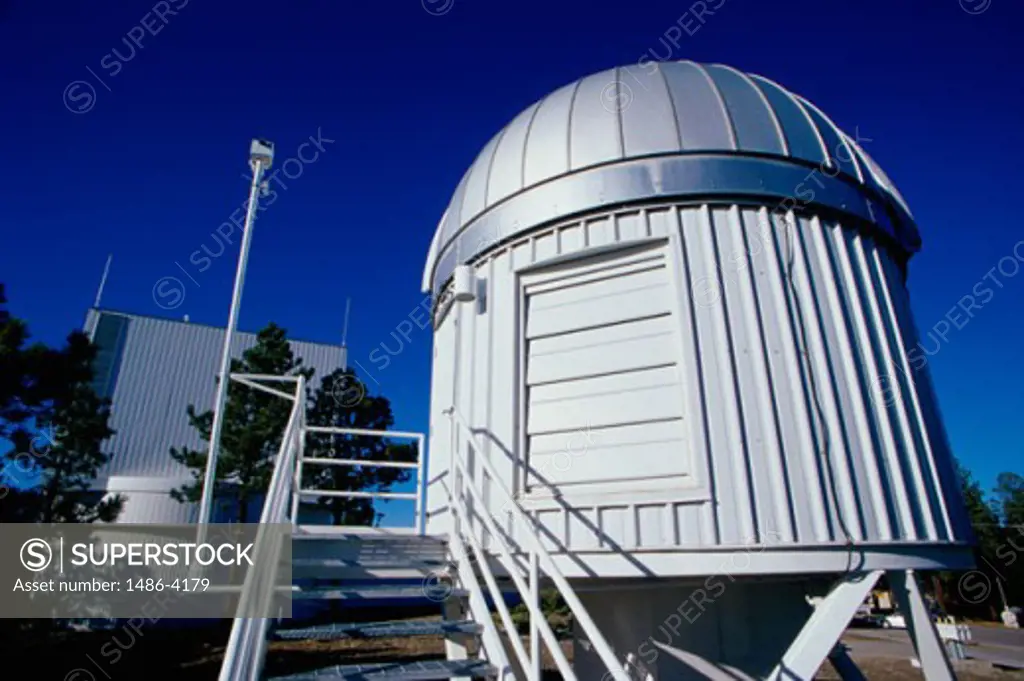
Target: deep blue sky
x: 157, y: 163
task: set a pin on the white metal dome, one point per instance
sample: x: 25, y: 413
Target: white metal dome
x: 682, y: 129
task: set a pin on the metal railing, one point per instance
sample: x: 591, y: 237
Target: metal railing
x: 246, y: 649
x: 528, y: 587
x: 419, y: 518
x: 247, y: 645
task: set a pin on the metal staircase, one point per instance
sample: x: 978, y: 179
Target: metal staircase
x: 360, y: 566
x: 375, y: 566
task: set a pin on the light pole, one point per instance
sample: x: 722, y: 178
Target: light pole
x: 261, y: 155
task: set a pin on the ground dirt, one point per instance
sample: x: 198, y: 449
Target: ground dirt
x: 195, y: 655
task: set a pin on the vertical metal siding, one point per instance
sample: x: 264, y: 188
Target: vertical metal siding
x: 789, y: 327
x: 164, y: 366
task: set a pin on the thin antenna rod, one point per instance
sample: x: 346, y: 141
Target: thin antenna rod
x: 103, y: 281
x: 344, y: 329
x: 344, y: 336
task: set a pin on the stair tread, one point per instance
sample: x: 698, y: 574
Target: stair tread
x: 432, y: 592
x: 388, y: 560
x: 424, y: 670
x: 362, y: 532
x: 395, y: 628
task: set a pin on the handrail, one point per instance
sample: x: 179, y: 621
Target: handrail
x: 419, y: 517
x: 536, y: 615
x: 541, y: 554
x: 244, y: 654
x: 490, y: 638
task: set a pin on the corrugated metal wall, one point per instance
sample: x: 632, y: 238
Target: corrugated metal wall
x: 804, y: 419
x: 153, y: 369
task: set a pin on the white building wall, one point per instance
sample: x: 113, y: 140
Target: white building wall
x: 442, y: 395
x: 805, y: 422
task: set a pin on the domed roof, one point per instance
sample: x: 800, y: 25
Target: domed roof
x: 740, y: 134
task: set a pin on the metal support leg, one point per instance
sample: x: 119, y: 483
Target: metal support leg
x: 456, y: 646
x: 845, y: 667
x: 819, y: 636
x: 930, y: 650
x: 535, y: 666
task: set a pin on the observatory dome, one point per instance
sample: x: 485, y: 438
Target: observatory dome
x: 673, y: 339
x: 660, y: 130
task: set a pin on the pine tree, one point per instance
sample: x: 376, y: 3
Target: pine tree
x: 984, y: 521
x: 56, y: 425
x: 20, y: 393
x: 254, y: 422
x: 1009, y: 502
x: 74, y: 427
x: 343, y: 402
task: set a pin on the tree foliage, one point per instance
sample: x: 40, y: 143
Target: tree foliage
x: 984, y: 521
x: 1009, y: 499
x: 998, y: 552
x: 55, y: 426
x: 20, y: 393
x: 342, y: 401
x: 254, y: 422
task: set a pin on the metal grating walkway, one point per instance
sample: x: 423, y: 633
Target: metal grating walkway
x: 429, y: 670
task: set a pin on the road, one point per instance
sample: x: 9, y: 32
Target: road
x: 995, y: 644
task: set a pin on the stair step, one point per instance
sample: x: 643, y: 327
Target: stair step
x: 368, y: 561
x: 377, y: 551
x: 430, y: 592
x: 398, y: 628
x: 362, y: 532
x: 427, y: 670
x: 370, y: 567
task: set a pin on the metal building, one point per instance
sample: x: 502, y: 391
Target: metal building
x: 672, y: 315
x: 152, y: 369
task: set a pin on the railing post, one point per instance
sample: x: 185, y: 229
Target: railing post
x: 297, y: 478
x: 535, y: 544
x: 453, y: 451
x: 300, y: 436
x: 421, y: 524
x: 535, y: 661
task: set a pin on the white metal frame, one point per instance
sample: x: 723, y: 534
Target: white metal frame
x: 820, y: 634
x: 247, y: 644
x: 929, y: 647
x: 417, y: 496
x: 539, y: 559
x: 246, y: 649
x: 818, y: 640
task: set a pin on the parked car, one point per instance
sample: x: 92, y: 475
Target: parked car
x: 894, y: 620
x: 867, y: 620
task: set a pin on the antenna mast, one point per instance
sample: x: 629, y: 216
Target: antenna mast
x: 103, y: 281
x: 344, y: 335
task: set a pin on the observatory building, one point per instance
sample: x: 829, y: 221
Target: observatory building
x: 671, y: 306
x: 152, y: 369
